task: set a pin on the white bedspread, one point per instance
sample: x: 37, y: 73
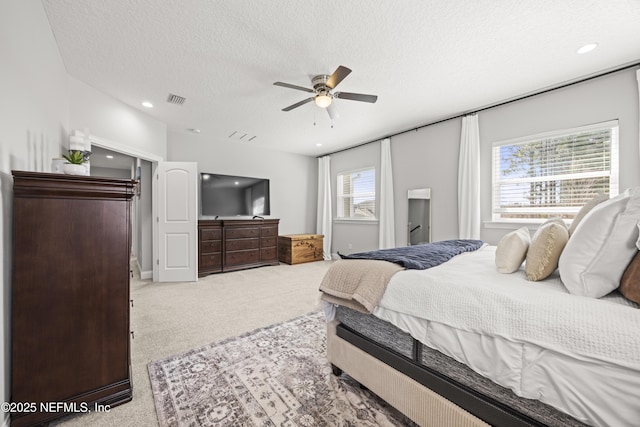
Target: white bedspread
x: 468, y: 293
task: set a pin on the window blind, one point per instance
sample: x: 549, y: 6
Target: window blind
x: 356, y: 194
x: 554, y: 174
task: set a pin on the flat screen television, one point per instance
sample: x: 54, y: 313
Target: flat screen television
x: 226, y: 195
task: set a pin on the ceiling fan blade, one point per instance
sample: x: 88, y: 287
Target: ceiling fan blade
x: 297, y: 104
x: 290, y: 86
x: 338, y: 75
x: 356, y: 96
x: 333, y: 111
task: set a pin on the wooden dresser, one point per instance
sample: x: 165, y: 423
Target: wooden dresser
x: 209, y: 247
x: 229, y: 245
x: 70, y: 294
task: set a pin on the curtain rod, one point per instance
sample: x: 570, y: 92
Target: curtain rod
x: 490, y: 106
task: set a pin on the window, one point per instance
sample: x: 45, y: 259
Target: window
x: 357, y: 194
x: 554, y: 174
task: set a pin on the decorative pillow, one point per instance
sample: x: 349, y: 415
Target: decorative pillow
x: 512, y: 250
x: 602, y: 246
x: 585, y: 210
x: 545, y: 249
x: 630, y: 283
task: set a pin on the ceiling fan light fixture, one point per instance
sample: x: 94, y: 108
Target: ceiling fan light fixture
x: 322, y: 100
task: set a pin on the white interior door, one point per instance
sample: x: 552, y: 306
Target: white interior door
x: 177, y: 221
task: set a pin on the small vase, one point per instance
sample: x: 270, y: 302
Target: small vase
x: 71, y: 169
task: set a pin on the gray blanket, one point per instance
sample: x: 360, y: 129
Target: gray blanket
x: 420, y: 257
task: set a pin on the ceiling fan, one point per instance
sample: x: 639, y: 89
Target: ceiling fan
x: 322, y: 87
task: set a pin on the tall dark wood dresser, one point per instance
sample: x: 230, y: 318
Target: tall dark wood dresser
x: 70, y: 296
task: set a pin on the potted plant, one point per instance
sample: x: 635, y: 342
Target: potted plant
x: 75, y: 163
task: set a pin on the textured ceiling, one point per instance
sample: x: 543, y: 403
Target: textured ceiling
x: 426, y: 60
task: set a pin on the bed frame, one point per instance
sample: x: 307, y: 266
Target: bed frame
x: 421, y: 393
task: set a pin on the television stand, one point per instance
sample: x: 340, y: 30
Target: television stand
x: 236, y: 244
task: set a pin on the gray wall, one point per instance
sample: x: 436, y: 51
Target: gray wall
x: 606, y: 98
x: 354, y: 235
x: 428, y: 157
x: 110, y: 172
x: 292, y: 177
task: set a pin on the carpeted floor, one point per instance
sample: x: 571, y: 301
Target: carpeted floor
x: 274, y: 376
x: 171, y: 318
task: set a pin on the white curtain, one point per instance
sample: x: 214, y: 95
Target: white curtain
x: 323, y: 221
x: 469, y: 179
x: 386, y: 218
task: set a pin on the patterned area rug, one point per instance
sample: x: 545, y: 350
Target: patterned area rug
x: 276, y: 376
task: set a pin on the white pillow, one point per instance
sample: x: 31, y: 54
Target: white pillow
x: 512, y: 250
x: 585, y: 210
x: 602, y: 246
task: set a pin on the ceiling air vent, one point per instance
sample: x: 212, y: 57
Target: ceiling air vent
x: 241, y: 136
x: 176, y: 99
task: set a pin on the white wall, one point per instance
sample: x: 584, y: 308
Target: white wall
x: 428, y: 157
x: 33, y: 126
x: 293, y: 177
x: 125, y: 129
x: 40, y: 106
x: 145, y: 221
x: 107, y: 118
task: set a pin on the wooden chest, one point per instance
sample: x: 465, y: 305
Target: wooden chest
x: 299, y: 248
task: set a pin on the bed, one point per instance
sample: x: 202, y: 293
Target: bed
x: 463, y: 344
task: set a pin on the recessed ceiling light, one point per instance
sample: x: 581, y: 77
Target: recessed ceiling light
x: 587, y: 48
x: 147, y: 104
x: 109, y: 156
x: 194, y: 130
x: 318, y: 145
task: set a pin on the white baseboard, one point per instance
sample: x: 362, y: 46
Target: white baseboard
x: 144, y: 274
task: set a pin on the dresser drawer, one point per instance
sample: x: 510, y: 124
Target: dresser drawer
x: 268, y: 254
x: 211, y: 260
x: 210, y: 234
x: 269, y: 231
x: 239, y: 233
x: 269, y: 241
x: 239, y: 244
x: 242, y: 257
x: 210, y: 246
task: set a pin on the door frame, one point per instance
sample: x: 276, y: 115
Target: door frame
x: 139, y: 154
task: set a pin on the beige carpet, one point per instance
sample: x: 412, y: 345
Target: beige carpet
x: 170, y: 318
